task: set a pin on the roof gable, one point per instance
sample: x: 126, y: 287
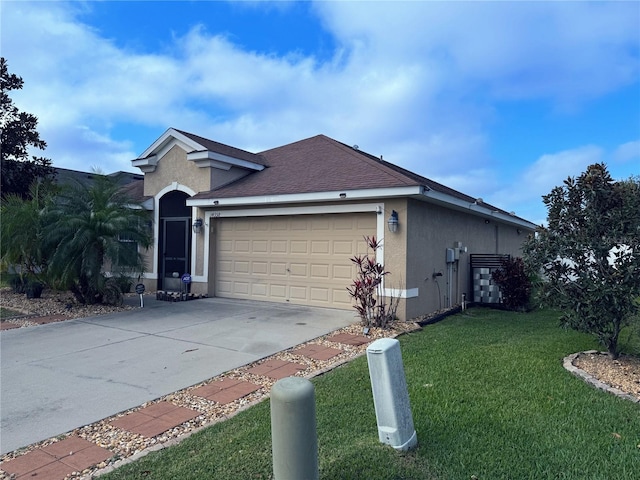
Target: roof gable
x: 203, y: 152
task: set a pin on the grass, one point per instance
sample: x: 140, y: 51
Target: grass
x: 6, y: 313
x: 489, y: 398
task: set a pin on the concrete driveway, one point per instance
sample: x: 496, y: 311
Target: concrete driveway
x: 64, y: 375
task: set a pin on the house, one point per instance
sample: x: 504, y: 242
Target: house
x: 281, y: 225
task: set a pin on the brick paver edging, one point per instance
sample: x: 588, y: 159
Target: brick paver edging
x: 568, y: 364
x: 176, y: 440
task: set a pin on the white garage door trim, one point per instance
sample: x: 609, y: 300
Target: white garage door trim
x: 303, y: 210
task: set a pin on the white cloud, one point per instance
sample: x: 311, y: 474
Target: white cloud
x: 627, y: 152
x: 415, y: 82
x: 559, y: 50
x: 524, y: 194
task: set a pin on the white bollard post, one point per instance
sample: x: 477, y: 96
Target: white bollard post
x: 390, y: 395
x: 293, y: 430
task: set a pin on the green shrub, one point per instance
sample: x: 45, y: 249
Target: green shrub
x: 16, y: 282
x: 514, y: 284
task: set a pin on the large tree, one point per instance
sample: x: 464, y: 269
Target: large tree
x: 92, y: 227
x: 19, y: 134
x: 589, y: 255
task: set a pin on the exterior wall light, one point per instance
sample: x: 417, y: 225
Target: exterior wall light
x: 197, y: 225
x: 393, y: 222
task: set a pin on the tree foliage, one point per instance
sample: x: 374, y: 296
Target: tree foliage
x: 19, y: 133
x: 68, y: 237
x: 514, y: 283
x: 91, y: 225
x: 589, y: 255
x: 23, y: 229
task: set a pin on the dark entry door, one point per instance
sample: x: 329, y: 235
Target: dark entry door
x: 175, y: 258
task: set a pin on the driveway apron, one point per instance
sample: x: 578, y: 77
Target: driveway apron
x: 64, y: 375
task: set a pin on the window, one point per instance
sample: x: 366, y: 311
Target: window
x: 128, y: 251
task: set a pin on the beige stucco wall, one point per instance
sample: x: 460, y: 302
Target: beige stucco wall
x: 174, y: 167
x: 395, y: 251
x: 431, y: 229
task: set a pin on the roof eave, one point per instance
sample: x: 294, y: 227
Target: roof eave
x: 476, y: 208
x: 207, y: 158
x: 333, y: 196
x: 416, y: 191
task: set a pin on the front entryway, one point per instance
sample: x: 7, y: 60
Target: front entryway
x: 174, y: 244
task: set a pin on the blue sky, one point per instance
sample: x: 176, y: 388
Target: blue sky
x: 500, y: 100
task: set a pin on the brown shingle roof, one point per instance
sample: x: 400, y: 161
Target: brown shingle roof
x: 322, y: 164
x: 135, y: 191
x: 317, y: 164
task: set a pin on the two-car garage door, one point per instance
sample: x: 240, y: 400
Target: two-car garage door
x: 302, y: 259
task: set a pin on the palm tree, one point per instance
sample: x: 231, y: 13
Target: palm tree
x: 23, y: 227
x: 89, y: 225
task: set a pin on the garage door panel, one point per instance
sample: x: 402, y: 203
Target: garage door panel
x: 343, y: 247
x: 298, y: 224
x: 299, y: 247
x: 224, y: 288
x: 225, y: 246
x: 299, y: 269
x: 362, y: 248
x: 298, y: 293
x: 260, y: 225
x: 320, y: 224
x: 259, y: 268
x: 241, y: 267
x: 343, y: 272
x: 242, y: 227
x: 241, y: 246
x: 279, y: 246
x: 259, y: 289
x: 319, y: 294
x: 279, y: 225
x: 278, y: 268
x: 303, y: 259
x: 241, y: 288
x: 344, y: 223
x: 225, y: 266
x: 320, y: 271
x: 320, y: 247
x: 260, y: 246
x: 341, y: 298
x: 278, y: 290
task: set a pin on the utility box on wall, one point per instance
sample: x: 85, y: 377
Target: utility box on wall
x: 390, y: 395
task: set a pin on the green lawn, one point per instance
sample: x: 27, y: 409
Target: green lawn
x: 489, y: 397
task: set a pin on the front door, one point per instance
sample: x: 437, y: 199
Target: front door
x: 175, y: 255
